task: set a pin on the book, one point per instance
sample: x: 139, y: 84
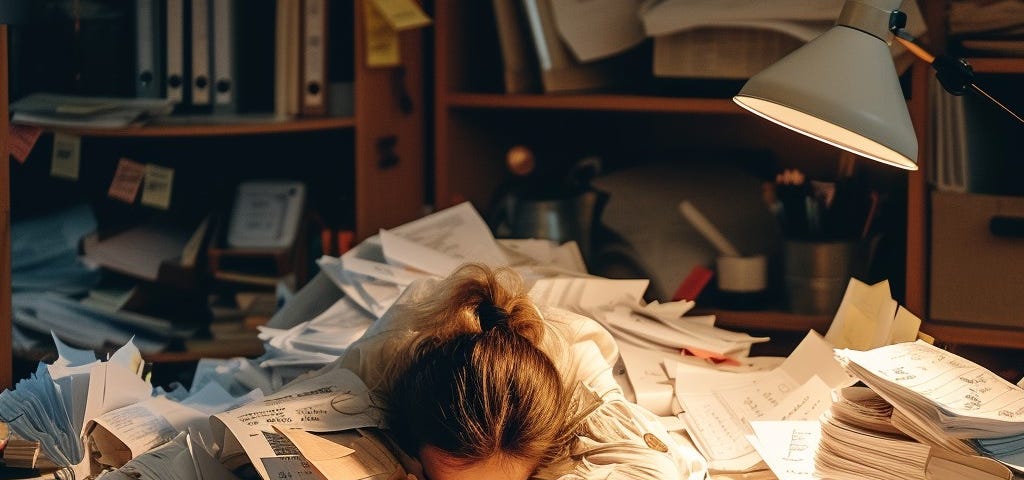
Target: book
x: 559, y: 70
x: 518, y: 58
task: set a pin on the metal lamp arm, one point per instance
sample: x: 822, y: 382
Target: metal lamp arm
x: 955, y: 74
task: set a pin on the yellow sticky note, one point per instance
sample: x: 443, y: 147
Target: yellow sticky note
x: 127, y: 179
x: 156, y: 186
x: 402, y: 14
x: 67, y: 155
x: 381, y: 39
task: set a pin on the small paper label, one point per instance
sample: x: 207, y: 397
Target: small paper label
x: 156, y: 188
x: 23, y: 138
x: 127, y: 179
x: 67, y: 154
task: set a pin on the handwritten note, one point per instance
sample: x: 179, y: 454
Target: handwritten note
x: 922, y: 372
x: 67, y: 155
x: 381, y: 40
x: 156, y: 186
x: 127, y: 179
x: 788, y: 447
x: 807, y: 402
x: 22, y: 139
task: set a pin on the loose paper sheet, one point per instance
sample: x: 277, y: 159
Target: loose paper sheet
x: 127, y: 179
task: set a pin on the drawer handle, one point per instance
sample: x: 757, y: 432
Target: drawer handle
x: 1006, y: 226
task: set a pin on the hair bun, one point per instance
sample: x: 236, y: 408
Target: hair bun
x: 490, y: 315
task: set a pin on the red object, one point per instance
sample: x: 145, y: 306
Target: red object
x: 345, y: 240
x: 693, y: 284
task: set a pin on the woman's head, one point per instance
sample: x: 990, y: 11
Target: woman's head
x: 475, y: 390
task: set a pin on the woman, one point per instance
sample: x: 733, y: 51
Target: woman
x: 479, y: 383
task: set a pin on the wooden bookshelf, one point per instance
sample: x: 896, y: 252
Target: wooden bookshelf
x: 205, y: 126
x: 474, y: 125
x: 596, y: 102
x: 381, y: 144
x: 6, y: 372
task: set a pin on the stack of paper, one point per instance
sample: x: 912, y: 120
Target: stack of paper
x: 375, y: 272
x: 619, y: 306
x: 859, y: 440
x: 353, y: 290
x: 44, y: 258
x: 941, y: 396
x: 720, y: 406
x: 313, y: 343
x: 53, y: 405
x: 55, y: 110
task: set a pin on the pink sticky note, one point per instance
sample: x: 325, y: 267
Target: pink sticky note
x: 127, y: 179
x: 23, y: 138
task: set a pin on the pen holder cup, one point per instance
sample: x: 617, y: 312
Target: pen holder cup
x: 817, y: 273
x: 742, y: 282
x: 742, y: 274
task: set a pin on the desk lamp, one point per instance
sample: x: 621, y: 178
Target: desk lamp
x: 842, y: 87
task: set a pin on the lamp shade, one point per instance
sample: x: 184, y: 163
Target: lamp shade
x: 840, y: 88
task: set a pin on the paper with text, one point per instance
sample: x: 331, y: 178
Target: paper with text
x: 964, y: 398
x: 22, y: 139
x: 156, y: 186
x: 127, y: 179
x: 382, y: 48
x: 331, y: 401
x: 67, y: 155
x: 788, y: 447
x: 718, y: 406
x: 458, y: 232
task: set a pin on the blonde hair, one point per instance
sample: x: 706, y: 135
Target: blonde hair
x: 474, y: 382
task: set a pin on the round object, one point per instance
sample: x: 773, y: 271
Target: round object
x: 519, y: 160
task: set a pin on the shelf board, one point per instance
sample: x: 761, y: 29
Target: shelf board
x: 768, y: 320
x: 996, y: 65
x: 206, y: 126
x: 595, y: 102
x: 974, y: 335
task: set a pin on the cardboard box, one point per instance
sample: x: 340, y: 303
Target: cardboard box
x: 977, y: 259
x: 720, y: 52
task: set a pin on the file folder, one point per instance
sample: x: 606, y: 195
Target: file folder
x: 287, y: 58
x: 149, y: 73
x: 224, y: 61
x: 201, y: 53
x: 314, y: 57
x: 176, y: 50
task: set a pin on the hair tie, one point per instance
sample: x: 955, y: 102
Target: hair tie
x: 490, y: 315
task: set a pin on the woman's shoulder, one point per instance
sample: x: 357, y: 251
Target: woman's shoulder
x: 570, y: 328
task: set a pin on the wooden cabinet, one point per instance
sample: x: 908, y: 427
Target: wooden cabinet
x: 999, y: 75
x: 476, y: 123
x: 367, y: 169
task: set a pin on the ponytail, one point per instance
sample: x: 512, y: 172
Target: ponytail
x: 474, y: 382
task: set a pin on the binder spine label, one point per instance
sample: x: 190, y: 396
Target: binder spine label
x: 223, y: 48
x: 314, y: 44
x: 176, y: 50
x: 200, y: 52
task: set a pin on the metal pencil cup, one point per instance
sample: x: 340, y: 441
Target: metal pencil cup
x: 816, y: 274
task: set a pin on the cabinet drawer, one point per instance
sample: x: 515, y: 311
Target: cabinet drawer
x: 977, y: 259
